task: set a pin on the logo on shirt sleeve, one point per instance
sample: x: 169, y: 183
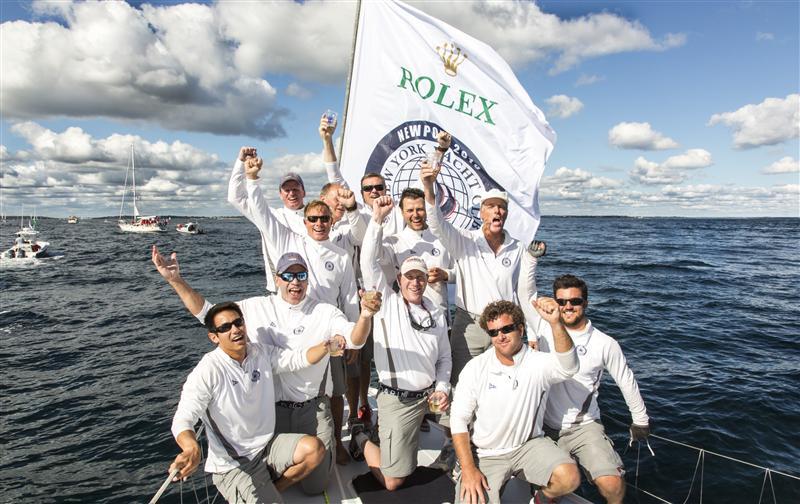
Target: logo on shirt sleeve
x: 435, y: 251
x: 329, y: 265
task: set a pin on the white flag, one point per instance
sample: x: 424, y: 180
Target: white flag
x: 413, y: 76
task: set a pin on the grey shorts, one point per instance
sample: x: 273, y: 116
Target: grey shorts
x: 533, y: 462
x: 364, y: 357
x: 314, y: 419
x: 252, y: 481
x: 593, y: 450
x: 398, y: 428
x: 337, y: 376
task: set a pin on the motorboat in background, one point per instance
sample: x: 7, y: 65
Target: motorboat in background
x: 72, y: 219
x: 138, y: 223
x: 189, y: 228
x: 26, y: 246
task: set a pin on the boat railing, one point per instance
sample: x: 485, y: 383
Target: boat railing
x: 767, y: 485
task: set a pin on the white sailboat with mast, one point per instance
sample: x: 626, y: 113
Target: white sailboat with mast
x: 138, y: 223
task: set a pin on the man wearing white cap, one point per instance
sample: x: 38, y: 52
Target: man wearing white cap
x: 412, y: 357
x: 290, y: 320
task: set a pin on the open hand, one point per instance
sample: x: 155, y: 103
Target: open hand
x: 168, y: 268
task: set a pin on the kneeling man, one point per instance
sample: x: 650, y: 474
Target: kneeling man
x: 504, y: 390
x: 232, y: 391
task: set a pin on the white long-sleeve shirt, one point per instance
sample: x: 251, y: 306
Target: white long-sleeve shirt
x: 424, y: 244
x: 272, y: 321
x: 331, y: 278
x: 574, y: 401
x: 507, y: 401
x: 293, y: 219
x: 405, y: 358
x: 235, y: 401
x: 481, y: 275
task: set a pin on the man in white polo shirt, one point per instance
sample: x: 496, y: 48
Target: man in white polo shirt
x: 232, y: 391
x: 501, y: 394
x: 290, y: 320
x: 412, y: 357
x: 572, y: 416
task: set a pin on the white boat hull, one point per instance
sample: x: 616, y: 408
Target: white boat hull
x: 34, y: 250
x: 135, y: 227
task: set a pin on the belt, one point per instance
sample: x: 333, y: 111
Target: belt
x: 296, y: 405
x: 406, y: 394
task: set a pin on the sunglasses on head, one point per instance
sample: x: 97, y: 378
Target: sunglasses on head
x: 314, y: 218
x: 239, y: 322
x: 370, y: 188
x: 288, y: 276
x: 505, y: 330
x: 572, y: 301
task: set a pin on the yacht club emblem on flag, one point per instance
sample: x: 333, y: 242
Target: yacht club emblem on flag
x: 414, y: 76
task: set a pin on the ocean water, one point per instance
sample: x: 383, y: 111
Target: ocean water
x: 95, y: 348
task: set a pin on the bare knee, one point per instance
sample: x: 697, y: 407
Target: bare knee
x: 611, y: 487
x: 565, y: 479
x: 392, y: 484
x: 310, y: 450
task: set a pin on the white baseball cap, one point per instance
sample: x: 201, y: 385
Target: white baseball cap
x: 413, y: 263
x: 494, y: 194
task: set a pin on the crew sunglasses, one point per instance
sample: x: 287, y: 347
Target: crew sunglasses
x: 505, y: 330
x: 572, y: 301
x: 370, y: 188
x: 239, y: 322
x: 314, y: 218
x: 288, y: 276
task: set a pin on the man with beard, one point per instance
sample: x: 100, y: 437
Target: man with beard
x: 572, y: 416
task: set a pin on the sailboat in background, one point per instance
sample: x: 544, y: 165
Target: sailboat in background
x: 138, y: 223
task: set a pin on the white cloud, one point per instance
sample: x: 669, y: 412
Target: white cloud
x: 770, y: 122
x: 563, y: 106
x: 784, y: 165
x: 587, y: 80
x: 670, y: 171
x: 577, y: 184
x: 635, y: 135
x: 164, y: 64
x: 298, y: 91
x: 764, y: 36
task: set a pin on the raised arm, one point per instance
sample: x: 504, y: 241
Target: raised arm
x: 357, y: 223
x: 277, y: 234
x: 237, y: 191
x: 326, y: 131
x: 455, y: 240
x: 171, y: 272
x: 374, y: 278
x: 563, y: 346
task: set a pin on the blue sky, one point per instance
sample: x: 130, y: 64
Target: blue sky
x: 661, y: 108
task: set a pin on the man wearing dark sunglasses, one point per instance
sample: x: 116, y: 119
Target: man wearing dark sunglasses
x: 232, y: 391
x: 572, y: 416
x: 291, y: 320
x: 503, y: 390
x: 412, y: 358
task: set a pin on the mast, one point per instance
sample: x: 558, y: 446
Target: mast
x: 349, y: 78
x: 133, y: 177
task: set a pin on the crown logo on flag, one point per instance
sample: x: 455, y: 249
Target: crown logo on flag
x: 451, y: 57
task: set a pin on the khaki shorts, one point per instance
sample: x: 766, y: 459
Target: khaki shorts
x: 593, y: 450
x: 398, y: 427
x: 314, y: 419
x: 533, y: 462
x: 252, y: 482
